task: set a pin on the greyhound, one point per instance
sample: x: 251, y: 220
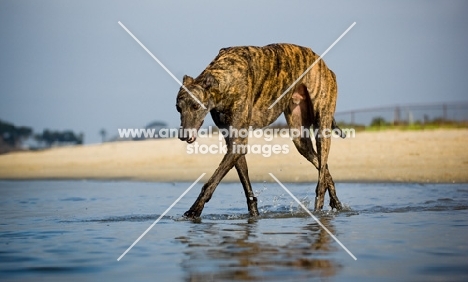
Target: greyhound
x: 238, y: 87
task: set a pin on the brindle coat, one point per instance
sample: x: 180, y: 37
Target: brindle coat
x: 237, y: 88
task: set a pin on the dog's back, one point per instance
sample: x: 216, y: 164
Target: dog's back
x: 260, y: 75
x: 261, y: 70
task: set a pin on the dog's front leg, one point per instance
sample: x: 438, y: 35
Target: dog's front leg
x: 243, y: 172
x: 207, y: 191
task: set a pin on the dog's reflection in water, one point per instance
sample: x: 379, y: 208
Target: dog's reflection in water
x: 217, y: 251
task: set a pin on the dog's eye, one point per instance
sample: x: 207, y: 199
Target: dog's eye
x: 195, y: 106
x: 178, y: 108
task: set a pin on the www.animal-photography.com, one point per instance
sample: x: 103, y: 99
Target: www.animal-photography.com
x: 233, y: 141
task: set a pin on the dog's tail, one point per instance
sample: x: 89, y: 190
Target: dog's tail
x: 336, y: 127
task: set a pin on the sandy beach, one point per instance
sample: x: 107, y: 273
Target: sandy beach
x: 388, y: 156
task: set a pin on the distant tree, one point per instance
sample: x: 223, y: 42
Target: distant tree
x: 14, y: 135
x: 103, y: 134
x: 80, y: 139
x: 56, y: 137
x: 378, y: 121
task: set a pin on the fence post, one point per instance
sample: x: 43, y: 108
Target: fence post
x: 444, y: 112
x: 396, y: 118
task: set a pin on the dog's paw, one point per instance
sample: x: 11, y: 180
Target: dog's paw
x: 190, y: 214
x: 335, y: 204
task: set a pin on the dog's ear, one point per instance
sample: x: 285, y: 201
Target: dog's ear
x: 209, y: 81
x: 187, y: 80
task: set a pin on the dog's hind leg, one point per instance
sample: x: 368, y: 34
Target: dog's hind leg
x: 242, y: 171
x: 323, y: 147
x: 323, y: 105
x: 299, y: 115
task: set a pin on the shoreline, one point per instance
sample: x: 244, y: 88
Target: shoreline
x: 428, y: 156
x: 99, y: 179
x: 314, y: 182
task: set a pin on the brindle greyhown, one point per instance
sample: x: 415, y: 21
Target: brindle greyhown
x: 239, y: 86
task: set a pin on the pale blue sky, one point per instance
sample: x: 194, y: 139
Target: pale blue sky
x: 69, y: 65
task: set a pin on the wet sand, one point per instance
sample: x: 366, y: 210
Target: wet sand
x: 389, y: 156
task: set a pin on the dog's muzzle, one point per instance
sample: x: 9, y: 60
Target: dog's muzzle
x: 188, y: 135
x: 188, y: 139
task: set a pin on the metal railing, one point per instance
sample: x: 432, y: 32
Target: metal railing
x: 407, y: 114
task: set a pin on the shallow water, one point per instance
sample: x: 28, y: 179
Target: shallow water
x: 76, y: 230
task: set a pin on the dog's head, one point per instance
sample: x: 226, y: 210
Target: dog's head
x: 194, y: 104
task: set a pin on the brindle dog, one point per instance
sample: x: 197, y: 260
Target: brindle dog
x: 239, y: 86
